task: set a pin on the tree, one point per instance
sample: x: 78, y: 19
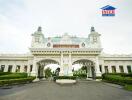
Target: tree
x: 57, y: 71
x: 84, y: 68
x: 48, y: 72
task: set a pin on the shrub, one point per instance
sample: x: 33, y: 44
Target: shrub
x: 127, y: 75
x: 121, y: 74
x: 16, y: 81
x: 65, y: 77
x: 98, y: 77
x: 118, y: 79
x: 82, y: 75
x: 4, y: 73
x: 128, y: 87
x: 13, y: 76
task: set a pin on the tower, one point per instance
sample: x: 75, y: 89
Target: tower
x: 38, y: 38
x: 94, y: 38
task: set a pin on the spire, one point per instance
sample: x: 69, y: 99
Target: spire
x: 39, y: 29
x: 92, y: 29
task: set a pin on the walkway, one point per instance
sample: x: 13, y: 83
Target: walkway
x: 85, y: 90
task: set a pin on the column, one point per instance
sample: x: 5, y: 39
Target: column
x: 98, y: 73
x: 103, y: 69
x: 34, y: 69
x: 117, y: 69
x: 14, y: 68
x: 6, y: 68
x: 87, y: 72
x: 70, y: 65
x: 43, y: 70
x: 61, y: 69
x: 109, y: 69
x: 125, y: 68
x: 90, y: 72
x: 28, y: 68
x: 22, y: 68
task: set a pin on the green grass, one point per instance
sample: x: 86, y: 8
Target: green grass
x: 128, y: 87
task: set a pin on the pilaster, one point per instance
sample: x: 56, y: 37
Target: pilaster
x: 6, y: 68
x: 61, y: 67
x: 22, y: 68
x: 117, y: 69
x: 125, y: 68
x: 14, y: 67
x: 98, y: 73
x: 70, y: 66
x: 109, y: 69
x: 34, y: 69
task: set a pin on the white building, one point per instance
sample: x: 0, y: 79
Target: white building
x: 66, y: 51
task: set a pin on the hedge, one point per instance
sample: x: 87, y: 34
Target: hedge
x: 13, y: 76
x: 121, y: 74
x: 4, y: 73
x: 127, y: 75
x: 65, y: 77
x: 16, y: 81
x: 98, y: 77
x: 80, y: 75
x: 118, y: 78
x: 128, y: 87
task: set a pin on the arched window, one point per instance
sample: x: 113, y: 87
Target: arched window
x: 48, y: 44
x: 37, y: 39
x: 83, y: 44
x: 94, y: 39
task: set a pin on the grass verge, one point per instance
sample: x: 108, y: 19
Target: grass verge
x: 128, y: 87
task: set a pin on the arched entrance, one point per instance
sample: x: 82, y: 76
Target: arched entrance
x: 41, y: 66
x: 89, y: 65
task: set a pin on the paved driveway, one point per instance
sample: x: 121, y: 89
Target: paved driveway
x: 86, y: 90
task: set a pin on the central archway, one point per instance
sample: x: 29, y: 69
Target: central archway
x: 89, y: 65
x: 41, y: 65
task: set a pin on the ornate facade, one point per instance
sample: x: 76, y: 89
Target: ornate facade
x: 66, y: 51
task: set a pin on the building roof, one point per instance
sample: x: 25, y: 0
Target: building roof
x: 108, y: 7
x: 74, y: 40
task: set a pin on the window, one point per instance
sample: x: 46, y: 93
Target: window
x: 25, y: 68
x: 18, y: 68
x: 106, y: 69
x: 113, y: 69
x: 2, y: 68
x: 100, y: 67
x: 37, y: 39
x: 9, y: 68
x: 94, y: 39
x: 121, y: 69
x: 83, y: 44
x: 48, y: 44
x: 129, y: 69
x: 31, y: 67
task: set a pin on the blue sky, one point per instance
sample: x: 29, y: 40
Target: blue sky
x: 20, y: 18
